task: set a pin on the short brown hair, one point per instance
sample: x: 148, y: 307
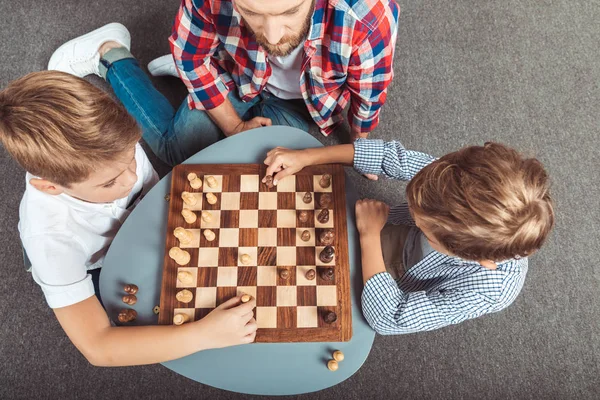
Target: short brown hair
x: 484, y: 202
x: 60, y: 127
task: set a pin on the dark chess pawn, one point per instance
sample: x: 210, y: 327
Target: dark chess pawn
x: 327, y: 237
x: 284, y: 273
x: 327, y: 274
x: 325, y: 181
x: 307, y: 198
x: 305, y: 236
x: 323, y: 216
x: 325, y: 200
x: 269, y: 181
x: 303, y: 216
x: 330, y: 317
x: 326, y: 255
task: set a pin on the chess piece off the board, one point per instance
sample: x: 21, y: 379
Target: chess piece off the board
x: 188, y: 215
x: 326, y: 255
x: 184, y: 296
x: 338, y: 356
x: 130, y: 288
x: 180, y: 319
x: 211, y: 198
x: 195, y: 182
x: 307, y: 198
x: 180, y: 256
x: 325, y: 181
x: 127, y: 315
x: 209, y: 235
x: 129, y: 299
x: 327, y: 237
x: 332, y: 365
x: 185, y: 237
x: 325, y: 200
x: 211, y: 181
x: 323, y: 216
x: 188, y: 198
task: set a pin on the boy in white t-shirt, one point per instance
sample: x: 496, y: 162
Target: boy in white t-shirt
x: 85, y: 173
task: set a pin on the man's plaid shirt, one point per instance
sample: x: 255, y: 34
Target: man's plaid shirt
x: 347, y: 56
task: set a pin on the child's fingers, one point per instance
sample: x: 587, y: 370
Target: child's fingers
x: 246, y: 308
x: 282, y: 174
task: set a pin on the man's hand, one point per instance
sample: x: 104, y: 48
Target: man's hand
x: 371, y: 216
x: 229, y: 324
x: 255, y: 122
x: 282, y: 162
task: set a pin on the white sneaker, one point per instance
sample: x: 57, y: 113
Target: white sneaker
x: 163, y: 66
x: 80, y: 56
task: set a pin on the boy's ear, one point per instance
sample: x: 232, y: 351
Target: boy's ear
x: 46, y: 186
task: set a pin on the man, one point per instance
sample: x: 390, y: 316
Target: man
x: 248, y: 63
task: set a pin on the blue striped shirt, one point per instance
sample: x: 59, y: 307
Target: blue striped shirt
x: 439, y: 290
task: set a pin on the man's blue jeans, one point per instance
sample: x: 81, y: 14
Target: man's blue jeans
x: 176, y: 136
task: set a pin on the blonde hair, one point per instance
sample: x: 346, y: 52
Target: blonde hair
x: 61, y: 128
x: 484, y: 202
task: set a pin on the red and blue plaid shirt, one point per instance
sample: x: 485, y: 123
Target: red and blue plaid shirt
x: 348, y: 55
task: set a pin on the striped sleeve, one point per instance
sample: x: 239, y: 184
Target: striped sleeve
x: 193, y: 43
x: 390, y: 159
x: 390, y: 311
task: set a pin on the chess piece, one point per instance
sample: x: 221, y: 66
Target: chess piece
x: 323, y: 216
x: 303, y: 216
x: 211, y: 181
x: 130, y: 289
x: 327, y: 254
x: 156, y: 310
x: 332, y: 365
x: 330, y: 317
x: 188, y: 198
x: 185, y: 277
x: 327, y: 274
x: 246, y: 298
x: 206, y: 216
x: 325, y: 181
x: 184, y: 296
x: 325, y: 200
x: 245, y: 259
x: 305, y: 236
x: 127, y: 315
x: 269, y: 181
x: 195, y: 182
x: 188, y: 215
x: 338, y: 356
x: 129, y: 299
x: 211, y: 198
x: 180, y: 319
x: 327, y: 237
x: 209, y: 235
x: 310, y: 274
x: 185, y: 237
x: 284, y: 273
x: 307, y: 198
x: 181, y: 257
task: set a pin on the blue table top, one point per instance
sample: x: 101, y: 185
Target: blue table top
x: 136, y: 256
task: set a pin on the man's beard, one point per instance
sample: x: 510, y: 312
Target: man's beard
x: 287, y: 43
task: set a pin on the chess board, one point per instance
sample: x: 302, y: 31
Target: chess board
x: 251, y: 218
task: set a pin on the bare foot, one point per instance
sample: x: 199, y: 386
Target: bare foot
x: 108, y: 46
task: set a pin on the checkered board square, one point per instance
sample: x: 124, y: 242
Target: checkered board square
x: 251, y: 218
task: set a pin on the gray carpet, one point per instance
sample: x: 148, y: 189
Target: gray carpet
x: 523, y: 72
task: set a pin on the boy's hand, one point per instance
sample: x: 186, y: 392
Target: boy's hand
x: 283, y: 162
x: 229, y: 324
x: 255, y: 122
x: 371, y: 216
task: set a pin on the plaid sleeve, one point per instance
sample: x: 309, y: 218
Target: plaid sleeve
x: 193, y: 42
x: 390, y: 159
x: 390, y: 311
x: 370, y: 69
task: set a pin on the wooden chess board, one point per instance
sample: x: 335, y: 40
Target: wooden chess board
x: 251, y: 218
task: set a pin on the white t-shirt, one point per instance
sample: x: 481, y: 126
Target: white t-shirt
x: 65, y: 237
x: 284, y: 81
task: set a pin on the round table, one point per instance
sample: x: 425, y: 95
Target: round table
x: 136, y: 256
